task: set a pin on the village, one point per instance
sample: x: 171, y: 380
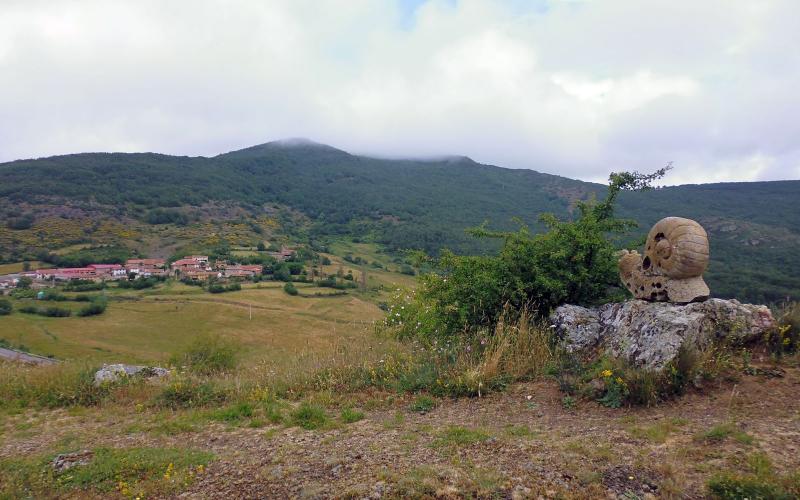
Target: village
x: 190, y: 267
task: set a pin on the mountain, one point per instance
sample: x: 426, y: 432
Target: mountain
x: 427, y: 204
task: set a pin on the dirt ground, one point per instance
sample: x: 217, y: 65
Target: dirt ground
x: 522, y: 443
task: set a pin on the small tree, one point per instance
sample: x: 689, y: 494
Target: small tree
x: 572, y: 262
x: 5, y: 307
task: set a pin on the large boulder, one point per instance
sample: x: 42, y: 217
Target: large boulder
x: 651, y: 334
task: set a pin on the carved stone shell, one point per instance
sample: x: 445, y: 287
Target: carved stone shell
x: 676, y: 247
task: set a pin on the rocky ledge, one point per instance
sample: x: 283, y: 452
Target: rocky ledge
x: 651, y: 334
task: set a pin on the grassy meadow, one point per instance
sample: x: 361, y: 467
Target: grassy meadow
x: 146, y: 326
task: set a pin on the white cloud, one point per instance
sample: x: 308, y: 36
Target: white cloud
x: 576, y: 88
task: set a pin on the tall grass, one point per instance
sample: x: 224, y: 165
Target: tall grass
x: 63, y: 384
x: 207, y: 355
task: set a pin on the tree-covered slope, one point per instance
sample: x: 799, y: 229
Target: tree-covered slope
x: 427, y: 204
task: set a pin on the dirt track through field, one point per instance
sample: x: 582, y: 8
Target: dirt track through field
x: 23, y: 357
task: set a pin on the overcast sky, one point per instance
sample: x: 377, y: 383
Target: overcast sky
x: 577, y: 88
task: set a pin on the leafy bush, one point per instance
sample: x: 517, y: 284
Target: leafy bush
x: 208, y: 354
x: 332, y: 282
x: 217, y: 288
x: 55, y: 312
x: 574, y: 261
x: 52, y: 312
x: 5, y: 307
x: 614, y: 383
x: 95, y: 307
x: 290, y: 288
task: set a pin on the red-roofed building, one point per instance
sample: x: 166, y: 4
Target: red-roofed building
x: 243, y: 271
x: 109, y: 270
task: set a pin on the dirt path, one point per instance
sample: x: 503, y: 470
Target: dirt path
x: 24, y: 357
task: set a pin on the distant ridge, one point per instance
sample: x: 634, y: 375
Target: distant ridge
x: 418, y: 203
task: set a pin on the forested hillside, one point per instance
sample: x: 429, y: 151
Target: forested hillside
x: 754, y: 227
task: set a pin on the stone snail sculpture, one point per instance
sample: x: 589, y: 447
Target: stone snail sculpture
x: 676, y: 255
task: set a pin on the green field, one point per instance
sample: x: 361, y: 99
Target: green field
x: 146, y: 327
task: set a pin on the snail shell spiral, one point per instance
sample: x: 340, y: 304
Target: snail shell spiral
x: 676, y: 247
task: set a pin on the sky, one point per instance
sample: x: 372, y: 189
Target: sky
x: 577, y: 88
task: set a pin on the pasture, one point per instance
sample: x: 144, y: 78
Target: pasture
x: 147, y: 326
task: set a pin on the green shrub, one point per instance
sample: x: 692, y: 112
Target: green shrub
x: 350, y: 415
x: 272, y: 410
x: 96, y: 306
x: 614, y: 383
x: 208, y: 354
x: 745, y: 487
x: 29, y: 309
x: 216, y: 288
x: 572, y: 262
x: 55, y: 312
x: 189, y: 393
x: 423, y: 404
x: 5, y: 307
x: 290, y: 288
x: 309, y: 416
x: 233, y: 414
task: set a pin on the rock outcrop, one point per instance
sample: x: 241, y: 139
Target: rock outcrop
x: 676, y: 255
x: 651, y: 334
x: 67, y: 461
x: 113, y: 373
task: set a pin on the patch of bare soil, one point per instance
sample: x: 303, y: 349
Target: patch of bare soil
x: 521, y: 443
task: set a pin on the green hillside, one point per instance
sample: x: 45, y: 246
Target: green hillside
x: 754, y: 227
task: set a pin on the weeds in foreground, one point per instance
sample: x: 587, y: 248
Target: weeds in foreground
x: 721, y: 432
x: 459, y: 436
x: 309, y: 417
x: 131, y: 472
x: 614, y: 383
x: 349, y: 416
x: 758, y: 481
x: 422, y: 404
x: 61, y: 385
x: 658, y: 432
x: 207, y: 355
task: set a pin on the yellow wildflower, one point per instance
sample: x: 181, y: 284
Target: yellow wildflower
x: 606, y: 373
